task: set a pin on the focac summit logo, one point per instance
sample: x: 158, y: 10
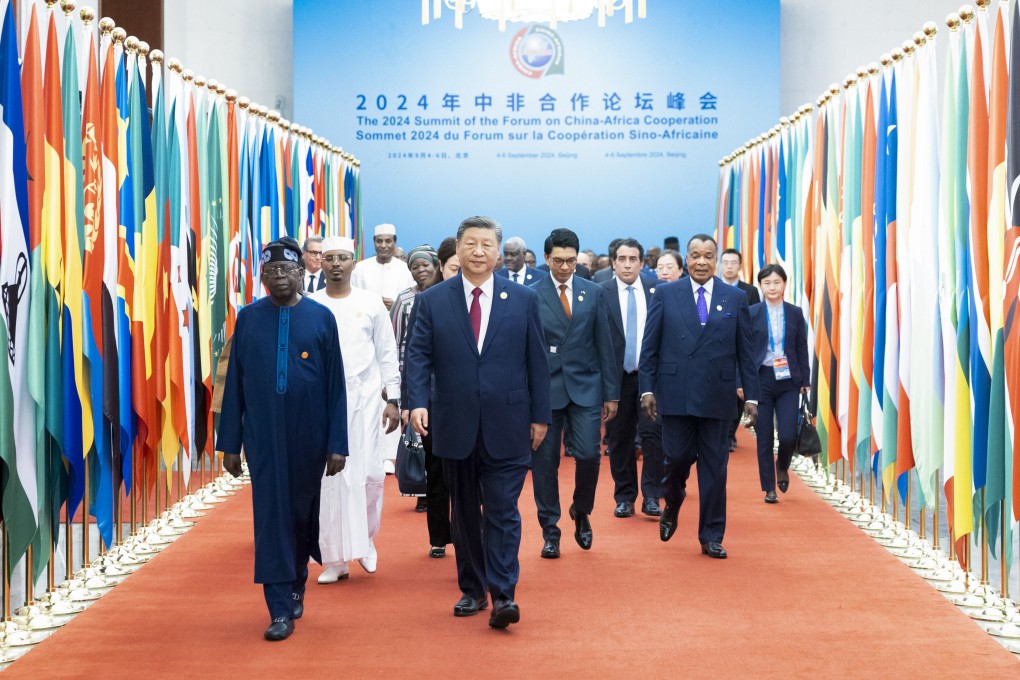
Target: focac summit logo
x: 537, y: 51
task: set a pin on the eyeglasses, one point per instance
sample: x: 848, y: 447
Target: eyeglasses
x: 558, y: 262
x: 313, y: 253
x: 329, y: 259
x: 277, y: 269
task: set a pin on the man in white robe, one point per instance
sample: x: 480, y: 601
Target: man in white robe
x: 351, y: 503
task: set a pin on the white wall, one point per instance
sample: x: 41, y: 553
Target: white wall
x: 245, y: 44
x: 824, y: 40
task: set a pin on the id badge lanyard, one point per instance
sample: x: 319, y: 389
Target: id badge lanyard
x: 780, y: 364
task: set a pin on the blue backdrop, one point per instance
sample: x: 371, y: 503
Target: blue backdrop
x: 611, y: 132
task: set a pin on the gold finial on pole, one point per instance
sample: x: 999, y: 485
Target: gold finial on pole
x: 131, y: 44
x: 200, y: 82
x: 834, y: 90
x: 174, y: 64
x: 156, y: 56
x: 953, y: 21
x: 897, y: 55
x: 106, y: 25
x: 284, y: 124
x: 263, y: 111
x: 966, y: 14
x: 930, y: 29
x: 231, y: 95
x: 87, y: 14
x: 221, y: 89
x: 143, y: 48
x: 862, y: 72
x: 886, y: 59
x: 244, y: 102
x: 849, y: 81
x: 50, y: 4
x: 920, y: 39
x: 187, y: 75
x: 784, y: 120
x: 273, y: 116
x: 67, y: 6
x: 908, y: 47
x: 808, y: 108
x: 119, y: 35
x: 212, y: 84
x: 873, y: 69
x: 983, y: 4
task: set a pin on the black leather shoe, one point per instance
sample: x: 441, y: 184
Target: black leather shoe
x: 279, y: 629
x: 771, y: 497
x: 668, y: 519
x: 422, y: 505
x: 714, y: 550
x: 469, y: 606
x: 551, y: 549
x: 299, y: 605
x: 651, y: 507
x: 438, y: 551
x: 784, y: 480
x: 624, y: 509
x: 504, y: 612
x: 582, y: 528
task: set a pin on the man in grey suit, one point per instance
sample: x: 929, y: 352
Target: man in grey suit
x: 584, y: 388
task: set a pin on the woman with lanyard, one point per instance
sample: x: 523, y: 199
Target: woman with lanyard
x: 436, y: 502
x: 784, y: 372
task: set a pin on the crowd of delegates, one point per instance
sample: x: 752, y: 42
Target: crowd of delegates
x: 499, y: 362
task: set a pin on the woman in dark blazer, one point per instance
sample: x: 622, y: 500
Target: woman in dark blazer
x: 784, y: 371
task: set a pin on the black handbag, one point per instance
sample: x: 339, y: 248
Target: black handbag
x: 410, y: 466
x: 808, y: 442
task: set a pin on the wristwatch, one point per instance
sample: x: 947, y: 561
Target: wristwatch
x: 395, y: 402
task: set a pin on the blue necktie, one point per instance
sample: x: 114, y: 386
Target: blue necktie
x: 630, y: 349
x: 702, y: 306
x: 515, y: 277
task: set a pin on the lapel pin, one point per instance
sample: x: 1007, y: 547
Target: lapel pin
x: 718, y: 308
x: 651, y: 290
x: 528, y: 276
x: 580, y: 298
x: 304, y: 355
x: 502, y: 296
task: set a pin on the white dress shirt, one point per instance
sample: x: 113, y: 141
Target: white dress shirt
x: 484, y: 301
x: 642, y: 309
x: 522, y: 275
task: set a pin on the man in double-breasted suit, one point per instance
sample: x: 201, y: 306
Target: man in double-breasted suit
x: 585, y: 388
x: 472, y: 336
x: 697, y: 337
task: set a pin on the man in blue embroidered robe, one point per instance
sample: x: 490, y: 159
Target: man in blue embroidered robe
x: 285, y: 371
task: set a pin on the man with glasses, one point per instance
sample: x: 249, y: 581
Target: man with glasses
x: 584, y: 388
x: 314, y: 278
x: 351, y: 506
x: 284, y: 372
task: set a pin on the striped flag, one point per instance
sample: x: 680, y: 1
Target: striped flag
x: 1011, y: 255
x: 17, y: 409
x: 891, y: 343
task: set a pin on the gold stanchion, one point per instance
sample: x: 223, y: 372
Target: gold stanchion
x: 133, y: 496
x: 920, y: 519
x: 935, y: 514
x: 871, y: 489
x: 985, y: 552
x: 6, y: 581
x: 906, y: 504
x: 1003, y: 565
x: 85, y: 523
x: 68, y: 541
x: 145, y: 493
x: 29, y: 580
x: 895, y: 503
x: 155, y: 492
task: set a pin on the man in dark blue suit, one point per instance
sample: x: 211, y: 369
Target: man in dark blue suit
x: 697, y: 337
x: 627, y: 298
x: 473, y: 335
x: 585, y: 388
x: 515, y: 267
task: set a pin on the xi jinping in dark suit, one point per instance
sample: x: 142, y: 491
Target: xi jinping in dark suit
x: 697, y: 337
x: 585, y: 388
x: 473, y: 335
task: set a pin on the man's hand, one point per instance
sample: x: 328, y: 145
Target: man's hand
x: 420, y: 421
x: 405, y: 416
x: 388, y: 302
x: 750, y: 414
x: 537, y: 434
x: 740, y: 393
x: 390, y: 417
x: 609, y: 410
x: 232, y: 463
x: 335, y: 463
x: 805, y: 390
x: 649, y: 407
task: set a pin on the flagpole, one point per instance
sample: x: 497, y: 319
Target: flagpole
x: 134, y: 489
x: 906, y: 504
x: 935, y: 514
x: 1003, y: 565
x: 6, y: 581
x: 85, y: 523
x: 985, y: 553
x: 68, y: 542
x: 29, y: 581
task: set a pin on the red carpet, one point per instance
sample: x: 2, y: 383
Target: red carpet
x: 804, y: 594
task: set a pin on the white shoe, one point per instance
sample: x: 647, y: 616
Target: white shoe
x: 369, y: 563
x: 388, y: 467
x: 334, y: 574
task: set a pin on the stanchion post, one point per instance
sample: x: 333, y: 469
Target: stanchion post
x: 985, y: 552
x: 1003, y: 564
x: 935, y: 514
x: 6, y: 577
x: 86, y: 554
x: 29, y: 580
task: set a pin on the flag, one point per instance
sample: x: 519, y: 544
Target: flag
x: 891, y: 344
x: 17, y: 409
x: 1011, y: 255
x: 851, y: 226
x: 93, y: 264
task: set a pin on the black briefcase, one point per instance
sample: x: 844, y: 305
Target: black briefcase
x: 410, y: 466
x: 808, y: 442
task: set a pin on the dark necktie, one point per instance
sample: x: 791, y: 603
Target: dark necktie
x: 564, y: 300
x: 311, y: 283
x: 702, y: 306
x: 476, y: 313
x: 515, y: 277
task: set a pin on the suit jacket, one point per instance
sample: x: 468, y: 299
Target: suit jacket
x: 320, y: 282
x: 753, y: 297
x: 531, y: 275
x: 693, y: 369
x: 616, y: 315
x: 603, y: 275
x: 794, y: 341
x: 500, y: 390
x: 580, y: 350
x: 579, y: 270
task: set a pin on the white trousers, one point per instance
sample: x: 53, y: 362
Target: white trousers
x: 350, y: 505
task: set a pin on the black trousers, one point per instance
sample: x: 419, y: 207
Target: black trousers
x: 437, y: 495
x: 779, y: 402
x: 687, y: 441
x: 280, y: 596
x: 620, y: 433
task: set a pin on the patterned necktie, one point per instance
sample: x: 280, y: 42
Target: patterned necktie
x: 476, y: 313
x: 630, y: 346
x: 702, y: 306
x: 564, y: 300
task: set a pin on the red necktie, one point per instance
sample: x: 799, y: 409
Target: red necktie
x: 476, y: 313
